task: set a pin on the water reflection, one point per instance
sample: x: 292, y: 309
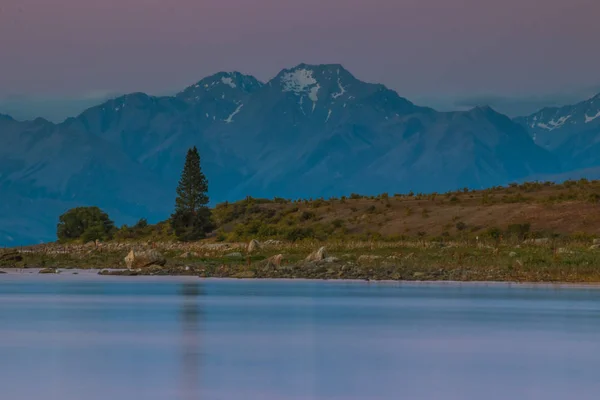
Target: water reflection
x: 191, y: 318
x: 99, y: 338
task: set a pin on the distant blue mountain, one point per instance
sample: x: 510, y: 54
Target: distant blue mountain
x: 313, y: 130
x: 571, y: 132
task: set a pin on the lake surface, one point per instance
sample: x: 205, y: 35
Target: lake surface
x: 73, y: 337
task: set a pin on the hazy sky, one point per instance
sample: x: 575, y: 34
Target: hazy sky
x: 57, y: 55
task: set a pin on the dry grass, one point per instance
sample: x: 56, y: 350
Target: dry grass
x: 567, y: 209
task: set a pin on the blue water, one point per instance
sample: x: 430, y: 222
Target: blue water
x: 74, y: 337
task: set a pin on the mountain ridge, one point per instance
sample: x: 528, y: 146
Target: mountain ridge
x: 572, y: 132
x: 310, y: 131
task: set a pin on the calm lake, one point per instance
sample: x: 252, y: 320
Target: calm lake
x: 73, y: 337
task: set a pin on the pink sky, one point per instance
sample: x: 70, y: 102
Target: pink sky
x: 421, y: 48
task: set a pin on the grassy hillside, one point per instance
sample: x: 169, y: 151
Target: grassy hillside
x: 568, y: 211
x: 535, y: 232
x: 519, y: 211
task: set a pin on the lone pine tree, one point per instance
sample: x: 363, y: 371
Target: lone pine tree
x: 191, y: 219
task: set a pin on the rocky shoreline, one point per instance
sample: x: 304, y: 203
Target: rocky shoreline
x: 536, y: 261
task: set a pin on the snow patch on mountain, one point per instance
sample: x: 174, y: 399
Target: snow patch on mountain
x: 342, y: 90
x: 313, y: 93
x: 301, y: 81
x: 554, y: 124
x: 300, y: 103
x: 221, y: 84
x: 298, y: 81
x: 590, y: 119
x: 228, y: 81
x: 229, y: 119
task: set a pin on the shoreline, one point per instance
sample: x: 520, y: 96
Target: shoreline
x: 83, y: 273
x: 543, y: 262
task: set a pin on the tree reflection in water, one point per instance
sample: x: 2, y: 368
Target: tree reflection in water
x: 191, y: 313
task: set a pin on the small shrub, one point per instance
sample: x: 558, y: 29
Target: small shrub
x: 318, y: 203
x: 520, y: 231
x: 337, y: 223
x: 297, y: 233
x: 141, y: 224
x: 594, y: 198
x: 221, y: 236
x: 307, y: 215
x: 494, y: 233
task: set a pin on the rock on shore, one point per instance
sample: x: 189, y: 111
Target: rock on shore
x: 318, y: 255
x: 137, y: 259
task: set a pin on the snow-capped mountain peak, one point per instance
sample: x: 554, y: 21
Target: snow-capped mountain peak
x: 564, y: 119
x: 572, y: 132
x: 221, y: 83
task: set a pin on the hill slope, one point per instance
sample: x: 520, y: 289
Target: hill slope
x: 546, y: 209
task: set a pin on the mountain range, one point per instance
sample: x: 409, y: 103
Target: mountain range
x: 311, y: 131
x: 571, y: 132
